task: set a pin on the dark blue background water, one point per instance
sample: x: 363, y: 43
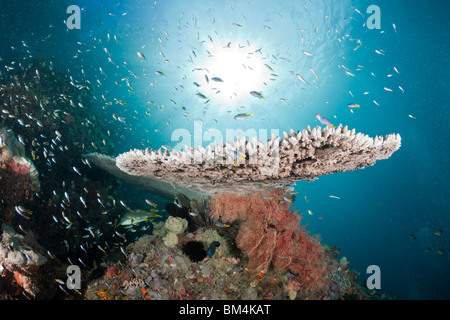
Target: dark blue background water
x: 382, y: 205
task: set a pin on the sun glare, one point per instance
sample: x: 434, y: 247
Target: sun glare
x: 233, y: 72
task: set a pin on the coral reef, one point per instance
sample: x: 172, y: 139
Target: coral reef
x: 242, y: 245
x: 49, y: 122
x: 152, y: 271
x: 14, y: 250
x: 200, y: 216
x: 18, y: 176
x: 304, y: 155
x: 271, y: 234
x: 20, y: 259
x: 162, y: 272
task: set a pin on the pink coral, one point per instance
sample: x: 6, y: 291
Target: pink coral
x: 15, y: 168
x: 15, y: 185
x: 111, y: 272
x: 271, y: 234
x: 134, y: 282
x: 292, y: 285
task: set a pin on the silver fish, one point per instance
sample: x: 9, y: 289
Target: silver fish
x: 83, y: 202
x: 299, y: 77
x: 150, y: 203
x: 314, y: 73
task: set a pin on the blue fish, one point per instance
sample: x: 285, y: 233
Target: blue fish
x: 212, y: 248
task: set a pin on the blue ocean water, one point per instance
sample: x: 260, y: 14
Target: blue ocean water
x: 397, y: 74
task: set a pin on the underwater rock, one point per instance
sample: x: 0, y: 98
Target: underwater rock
x: 135, y: 259
x: 184, y: 271
x: 14, y: 250
x: 17, y: 257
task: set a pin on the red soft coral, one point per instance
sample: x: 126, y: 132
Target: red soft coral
x: 271, y: 234
x: 15, y: 186
x: 15, y: 168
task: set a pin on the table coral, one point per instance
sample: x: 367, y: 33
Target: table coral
x: 302, y: 155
